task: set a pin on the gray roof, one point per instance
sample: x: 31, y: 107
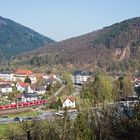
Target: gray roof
x: 30, y: 95
x: 38, y: 88
x: 5, y: 85
x: 80, y: 72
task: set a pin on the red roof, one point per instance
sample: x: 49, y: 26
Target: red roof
x: 72, y: 98
x: 18, y: 96
x: 24, y: 72
x: 22, y: 84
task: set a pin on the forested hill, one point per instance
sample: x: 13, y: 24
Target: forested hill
x: 113, y: 47
x: 15, y: 39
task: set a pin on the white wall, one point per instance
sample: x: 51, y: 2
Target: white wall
x: 69, y: 103
x: 6, y: 90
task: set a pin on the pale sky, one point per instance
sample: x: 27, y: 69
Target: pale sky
x: 63, y: 19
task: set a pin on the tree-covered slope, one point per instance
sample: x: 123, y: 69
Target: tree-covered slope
x: 113, y: 47
x: 15, y: 39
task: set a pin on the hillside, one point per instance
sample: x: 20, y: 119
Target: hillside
x: 116, y: 47
x: 15, y: 39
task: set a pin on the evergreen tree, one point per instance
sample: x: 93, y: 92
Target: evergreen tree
x: 27, y: 80
x: 59, y: 103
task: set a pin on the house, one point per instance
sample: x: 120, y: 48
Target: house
x: 20, y: 75
x: 7, y: 82
x: 5, y: 88
x: 27, y: 97
x: 40, y: 90
x: 70, y: 102
x: 80, y: 77
x: 6, y: 76
x: 24, y: 87
x: 21, y: 86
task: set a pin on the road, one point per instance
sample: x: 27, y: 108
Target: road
x: 46, y: 115
x: 59, y: 91
x: 6, y: 120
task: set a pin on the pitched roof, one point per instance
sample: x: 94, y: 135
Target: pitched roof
x: 18, y: 96
x: 38, y: 88
x: 30, y: 95
x: 22, y: 84
x: 5, y: 85
x: 72, y: 98
x: 24, y: 72
x: 80, y: 72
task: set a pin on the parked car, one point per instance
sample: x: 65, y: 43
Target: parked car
x: 17, y: 119
x: 27, y: 118
x: 4, y: 116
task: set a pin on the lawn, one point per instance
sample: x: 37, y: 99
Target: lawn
x: 23, y: 114
x: 5, y: 127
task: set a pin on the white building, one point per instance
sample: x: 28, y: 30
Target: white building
x: 5, y: 88
x: 28, y: 97
x: 80, y: 77
x: 70, y: 102
x: 6, y: 76
x: 20, y: 75
x: 24, y: 87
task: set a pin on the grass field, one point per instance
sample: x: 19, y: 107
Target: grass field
x: 19, y: 113
x: 23, y: 114
x: 4, y: 129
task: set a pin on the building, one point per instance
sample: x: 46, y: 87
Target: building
x: 20, y: 75
x: 40, y: 90
x: 70, y: 102
x: 21, y: 86
x: 27, y: 97
x: 80, y: 77
x: 6, y: 76
x: 5, y: 88
x: 24, y: 87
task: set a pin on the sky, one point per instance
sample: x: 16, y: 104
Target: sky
x: 63, y: 19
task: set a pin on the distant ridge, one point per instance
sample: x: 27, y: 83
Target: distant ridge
x: 16, y: 38
x: 116, y: 47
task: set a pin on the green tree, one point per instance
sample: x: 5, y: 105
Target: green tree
x: 66, y: 76
x: 59, y: 103
x: 99, y: 91
x: 125, y: 86
x: 27, y: 80
x: 128, y: 87
x: 81, y: 128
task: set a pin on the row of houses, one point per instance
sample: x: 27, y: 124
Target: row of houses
x: 8, y: 80
x: 79, y: 77
x: 23, y: 88
x: 19, y: 75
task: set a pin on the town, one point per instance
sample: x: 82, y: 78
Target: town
x: 24, y: 89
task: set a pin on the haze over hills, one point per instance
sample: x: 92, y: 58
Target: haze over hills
x: 16, y: 38
x: 113, y: 47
